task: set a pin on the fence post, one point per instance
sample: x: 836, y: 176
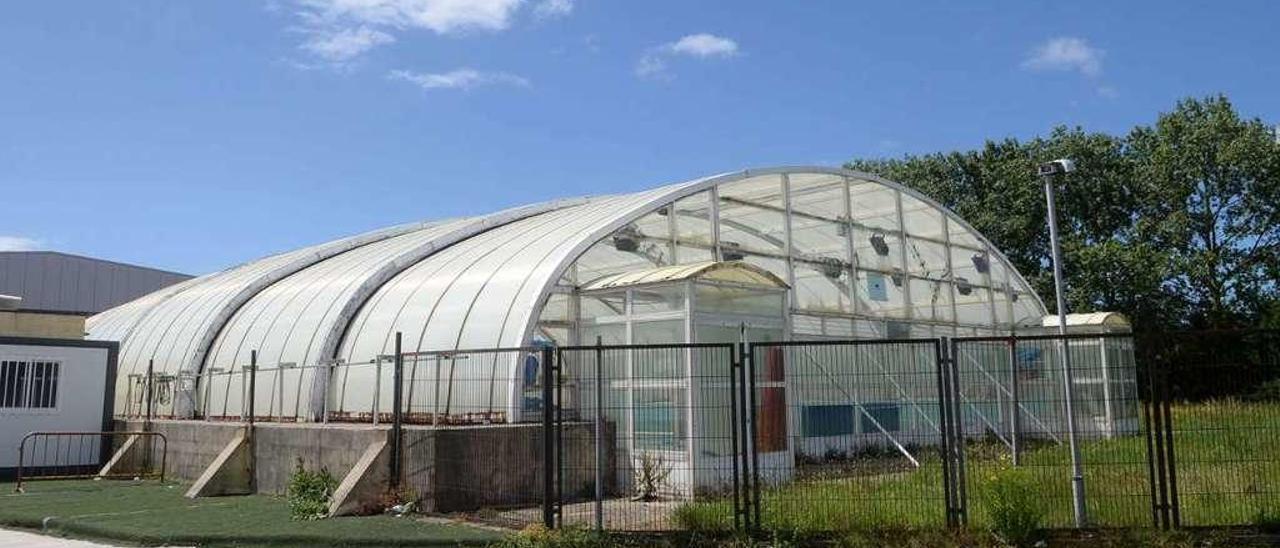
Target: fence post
x: 599, y: 426
x: 397, y: 424
x: 944, y: 441
x: 957, y: 416
x: 752, y: 443
x: 744, y: 430
x: 548, y: 449
x: 1155, y: 452
x: 1015, y: 417
x: 548, y: 357
x: 1171, y: 466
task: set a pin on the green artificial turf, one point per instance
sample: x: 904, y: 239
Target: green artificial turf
x: 151, y: 513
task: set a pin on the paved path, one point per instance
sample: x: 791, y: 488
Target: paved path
x: 22, y: 539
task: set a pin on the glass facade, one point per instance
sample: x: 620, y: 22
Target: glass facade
x: 864, y: 259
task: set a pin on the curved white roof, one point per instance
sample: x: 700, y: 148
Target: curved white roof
x: 465, y: 283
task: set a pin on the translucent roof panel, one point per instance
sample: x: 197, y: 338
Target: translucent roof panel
x: 735, y: 272
x: 859, y: 253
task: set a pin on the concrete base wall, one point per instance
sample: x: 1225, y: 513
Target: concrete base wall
x: 449, y: 468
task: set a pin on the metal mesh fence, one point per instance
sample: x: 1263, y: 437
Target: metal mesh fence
x: 809, y: 435
x: 848, y: 434
x: 1221, y: 420
x: 1013, y: 410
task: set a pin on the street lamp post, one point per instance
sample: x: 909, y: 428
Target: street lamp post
x: 1047, y: 172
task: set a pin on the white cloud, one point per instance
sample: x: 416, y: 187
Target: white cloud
x: 1066, y: 54
x: 653, y: 64
x: 463, y: 78
x: 19, y: 243
x: 339, y: 31
x: 440, y: 16
x: 703, y: 45
x: 343, y: 45
x: 550, y: 9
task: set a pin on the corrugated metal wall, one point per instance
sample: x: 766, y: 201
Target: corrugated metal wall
x: 48, y: 280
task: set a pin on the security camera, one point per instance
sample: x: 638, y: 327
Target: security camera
x: 1056, y: 167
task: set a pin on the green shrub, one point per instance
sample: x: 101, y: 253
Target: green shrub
x: 309, y: 493
x: 1014, y: 505
x: 537, y: 536
x: 703, y: 517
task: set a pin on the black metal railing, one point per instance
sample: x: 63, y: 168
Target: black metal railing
x: 49, y: 455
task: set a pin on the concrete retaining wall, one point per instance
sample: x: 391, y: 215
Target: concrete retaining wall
x: 449, y: 468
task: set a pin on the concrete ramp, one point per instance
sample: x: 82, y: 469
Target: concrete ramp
x: 230, y: 473
x: 365, y: 483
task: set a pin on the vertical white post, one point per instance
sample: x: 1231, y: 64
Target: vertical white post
x: 1110, y: 427
x: 377, y: 387
x: 435, y: 401
x: 1068, y: 382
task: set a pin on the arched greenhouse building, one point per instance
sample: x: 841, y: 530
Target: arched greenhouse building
x: 780, y: 253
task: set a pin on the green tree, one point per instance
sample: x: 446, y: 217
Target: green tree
x: 1173, y: 225
x: 1212, y: 181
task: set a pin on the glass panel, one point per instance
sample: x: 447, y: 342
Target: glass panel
x: 931, y: 300
x: 651, y: 299
x: 693, y: 228
x: 880, y: 294
x: 610, y: 334
x: 620, y: 252
x: 599, y: 305
x: 973, y: 304
x: 962, y: 236
x: 659, y: 419
x: 921, y: 219
x: 732, y: 300
x: 1000, y: 294
x: 654, y: 237
x: 926, y: 259
x: 658, y: 332
x: 874, y: 206
x: 973, y: 266
x: 751, y: 216
x: 822, y: 288
x: 878, y: 251
x: 556, y: 308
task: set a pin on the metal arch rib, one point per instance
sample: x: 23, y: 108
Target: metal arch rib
x: 321, y: 252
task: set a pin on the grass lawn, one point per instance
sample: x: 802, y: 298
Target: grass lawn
x: 153, y: 513
x: 1228, y: 473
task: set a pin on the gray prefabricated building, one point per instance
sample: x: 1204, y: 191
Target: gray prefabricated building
x: 52, y: 281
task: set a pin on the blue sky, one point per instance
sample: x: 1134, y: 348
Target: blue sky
x: 195, y: 135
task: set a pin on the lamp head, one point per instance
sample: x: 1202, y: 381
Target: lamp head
x: 1056, y: 167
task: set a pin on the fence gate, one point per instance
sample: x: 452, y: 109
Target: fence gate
x: 648, y: 437
x: 849, y: 434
